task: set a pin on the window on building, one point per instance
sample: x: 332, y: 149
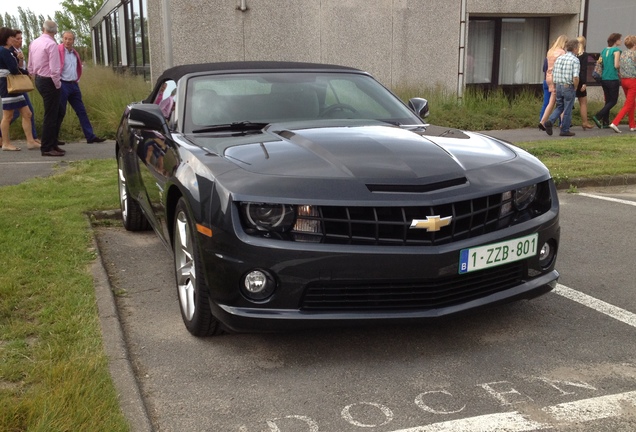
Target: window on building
x: 506, y: 51
x: 115, y: 54
x: 124, y: 43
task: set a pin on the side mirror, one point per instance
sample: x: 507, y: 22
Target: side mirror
x: 147, y: 116
x: 419, y: 106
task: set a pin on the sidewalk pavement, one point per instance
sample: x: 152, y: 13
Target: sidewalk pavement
x: 534, y: 134
x: 18, y: 166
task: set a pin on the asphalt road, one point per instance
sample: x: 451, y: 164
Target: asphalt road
x: 564, y: 361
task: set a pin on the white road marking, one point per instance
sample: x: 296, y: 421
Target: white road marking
x: 509, y: 422
x: 592, y: 409
x: 615, y: 312
x: 616, y: 200
x: 585, y: 410
x: 572, y: 412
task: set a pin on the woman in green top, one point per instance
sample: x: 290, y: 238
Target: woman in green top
x: 609, y: 80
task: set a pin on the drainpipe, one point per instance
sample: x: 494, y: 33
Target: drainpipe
x: 242, y: 5
x: 461, y: 75
x: 583, y: 18
x: 167, y: 34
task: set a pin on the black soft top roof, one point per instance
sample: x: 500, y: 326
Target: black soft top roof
x: 175, y: 73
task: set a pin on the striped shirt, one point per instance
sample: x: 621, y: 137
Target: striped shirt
x: 566, y: 68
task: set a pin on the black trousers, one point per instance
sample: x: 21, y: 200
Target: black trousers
x: 611, y: 89
x: 51, y: 97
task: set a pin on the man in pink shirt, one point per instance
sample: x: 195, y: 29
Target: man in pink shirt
x: 44, y: 64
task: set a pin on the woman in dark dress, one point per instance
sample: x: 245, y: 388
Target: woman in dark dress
x: 581, y: 90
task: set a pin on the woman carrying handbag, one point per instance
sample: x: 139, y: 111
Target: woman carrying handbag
x: 12, y: 101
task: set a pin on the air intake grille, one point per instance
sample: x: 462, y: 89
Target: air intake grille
x: 391, y: 225
x: 432, y: 294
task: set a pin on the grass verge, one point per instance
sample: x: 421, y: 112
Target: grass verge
x: 53, y: 370
x: 586, y: 158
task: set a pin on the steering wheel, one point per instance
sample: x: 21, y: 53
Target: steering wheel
x: 337, y: 106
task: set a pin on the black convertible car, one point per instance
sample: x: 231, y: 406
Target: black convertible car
x: 296, y: 194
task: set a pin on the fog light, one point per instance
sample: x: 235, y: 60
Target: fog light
x: 547, y: 254
x: 258, y: 285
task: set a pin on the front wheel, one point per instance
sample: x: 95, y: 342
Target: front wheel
x: 191, y: 287
x: 131, y: 214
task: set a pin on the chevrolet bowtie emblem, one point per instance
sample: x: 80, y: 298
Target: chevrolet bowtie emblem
x: 432, y: 223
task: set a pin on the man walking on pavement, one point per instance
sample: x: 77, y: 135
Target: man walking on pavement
x: 566, y: 79
x: 44, y: 64
x: 71, y: 65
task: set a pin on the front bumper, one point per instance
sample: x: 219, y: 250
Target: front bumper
x: 428, y: 275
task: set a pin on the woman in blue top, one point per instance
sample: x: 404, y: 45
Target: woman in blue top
x: 10, y: 101
x: 610, y: 80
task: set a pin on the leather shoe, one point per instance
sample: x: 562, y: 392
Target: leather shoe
x: 567, y: 133
x: 53, y: 153
x: 548, y: 127
x: 96, y: 140
x: 59, y: 143
x: 57, y: 149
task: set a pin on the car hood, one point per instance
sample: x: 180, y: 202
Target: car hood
x: 383, y: 153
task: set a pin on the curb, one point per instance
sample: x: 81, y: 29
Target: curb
x: 129, y: 394
x: 603, y: 181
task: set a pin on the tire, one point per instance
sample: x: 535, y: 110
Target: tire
x: 131, y: 214
x: 192, y: 290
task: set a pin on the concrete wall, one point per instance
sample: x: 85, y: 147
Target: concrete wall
x: 401, y: 42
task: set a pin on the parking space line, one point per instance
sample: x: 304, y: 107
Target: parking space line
x: 616, y: 200
x: 508, y: 421
x: 592, y: 409
x: 615, y: 312
x: 585, y: 410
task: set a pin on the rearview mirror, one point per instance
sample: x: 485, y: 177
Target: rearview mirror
x: 147, y: 116
x: 419, y: 106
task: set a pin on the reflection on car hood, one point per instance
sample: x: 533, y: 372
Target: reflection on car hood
x: 364, y: 152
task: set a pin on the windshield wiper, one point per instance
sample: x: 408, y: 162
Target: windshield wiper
x: 405, y: 126
x: 235, y: 126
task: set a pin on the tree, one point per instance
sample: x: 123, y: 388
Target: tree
x: 75, y: 16
x: 7, y: 21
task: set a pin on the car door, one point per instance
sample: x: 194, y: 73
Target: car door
x: 157, y: 161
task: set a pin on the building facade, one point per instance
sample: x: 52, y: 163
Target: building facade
x: 449, y: 44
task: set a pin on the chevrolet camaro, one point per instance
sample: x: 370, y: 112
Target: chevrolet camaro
x: 296, y: 194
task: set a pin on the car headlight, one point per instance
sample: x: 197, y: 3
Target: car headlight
x: 300, y: 223
x: 517, y: 200
x: 524, y: 196
x: 268, y: 217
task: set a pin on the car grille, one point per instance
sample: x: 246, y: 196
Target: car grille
x: 391, y: 225
x: 431, y: 294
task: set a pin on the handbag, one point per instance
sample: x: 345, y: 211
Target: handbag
x: 597, y: 73
x: 19, y: 83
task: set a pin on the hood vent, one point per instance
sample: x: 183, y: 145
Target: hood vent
x: 388, y: 188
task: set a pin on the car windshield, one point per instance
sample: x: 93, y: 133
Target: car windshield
x: 288, y: 96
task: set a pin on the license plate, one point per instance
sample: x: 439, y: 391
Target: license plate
x: 482, y: 257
